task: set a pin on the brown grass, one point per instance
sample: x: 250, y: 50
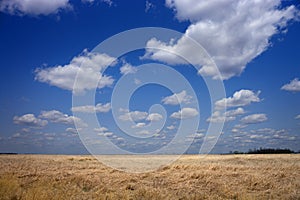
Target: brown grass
x: 191, y: 177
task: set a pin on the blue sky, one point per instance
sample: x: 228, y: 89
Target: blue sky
x: 44, y: 44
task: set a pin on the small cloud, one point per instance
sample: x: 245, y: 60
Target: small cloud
x: 154, y: 117
x: 218, y: 117
x: 293, y: 86
x: 185, y: 113
x: 16, y: 135
x: 128, y: 69
x: 99, y: 108
x: 199, y: 135
x: 101, y: 129
x: 254, y: 119
x: 25, y: 130
x: 256, y: 136
x: 108, y: 2
x: 137, y: 81
x: 123, y: 110
x: 239, y: 98
x: 177, y: 98
x: 71, y: 130
x: 235, y: 130
x: 297, y: 117
x: 30, y: 120
x: 139, y: 125
x: 240, y: 126
x: 106, y: 134
x: 234, y: 113
x: 56, y: 116
x: 133, y: 115
x: 143, y: 132
x: 172, y: 127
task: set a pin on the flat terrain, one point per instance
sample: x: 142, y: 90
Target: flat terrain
x: 191, y: 177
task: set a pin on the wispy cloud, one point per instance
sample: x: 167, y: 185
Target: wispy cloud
x: 91, y: 109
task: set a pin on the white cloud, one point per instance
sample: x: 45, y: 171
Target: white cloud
x: 30, y: 120
x: 87, y: 1
x: 293, y: 86
x: 137, y: 81
x: 71, y: 130
x: 239, y: 98
x: 40, y: 7
x: 123, y: 110
x: 196, y: 136
x: 106, y: 134
x: 154, y: 117
x: 269, y: 134
x: 26, y: 130
x: 185, y: 113
x: 234, y: 32
x: 109, y: 2
x: 235, y: 130
x: 172, y: 127
x: 256, y: 136
x: 128, y: 69
x: 218, y: 117
x: 133, y: 115
x: 139, y: 125
x: 230, y: 115
x: 16, y: 135
x: 101, y: 129
x: 266, y: 131
x: 86, y: 68
x: 234, y: 113
x: 34, y: 7
x: 199, y: 135
x: 297, y: 117
x: 55, y: 116
x: 254, y: 119
x: 139, y: 115
x: 91, y: 109
x: 177, y: 98
x: 144, y: 132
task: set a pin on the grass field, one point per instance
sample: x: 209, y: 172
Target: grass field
x: 191, y: 177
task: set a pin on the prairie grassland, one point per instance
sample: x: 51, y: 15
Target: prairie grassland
x: 191, y: 177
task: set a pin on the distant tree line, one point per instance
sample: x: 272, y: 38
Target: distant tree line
x: 265, y: 151
x: 269, y: 151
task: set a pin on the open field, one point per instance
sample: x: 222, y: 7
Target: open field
x: 191, y: 177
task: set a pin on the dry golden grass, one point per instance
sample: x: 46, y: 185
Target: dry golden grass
x: 191, y: 177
